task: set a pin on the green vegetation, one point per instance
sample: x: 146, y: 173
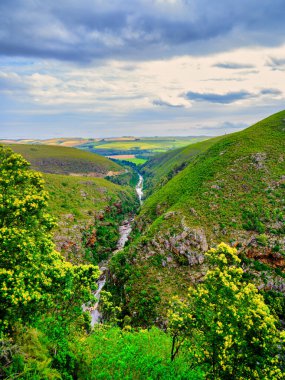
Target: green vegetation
x: 129, y: 177
x: 231, y: 189
x: 115, y: 354
x: 81, y: 196
x: 77, y: 197
x: 220, y: 310
x: 136, y: 161
x: 239, y: 176
x: 226, y: 324
x: 156, y: 144
x: 89, y: 211
x: 37, y: 286
x: 140, y: 147
x: 162, y: 167
x: 63, y: 160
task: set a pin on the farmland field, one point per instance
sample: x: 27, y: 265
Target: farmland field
x: 135, y: 149
x: 137, y: 161
x: 139, y: 148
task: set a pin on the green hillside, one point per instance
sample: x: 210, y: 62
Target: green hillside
x: 161, y: 168
x: 64, y: 160
x: 77, y: 198
x: 232, y: 190
x: 139, y: 147
x: 84, y: 207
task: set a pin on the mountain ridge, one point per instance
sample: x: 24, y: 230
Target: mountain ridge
x: 234, y: 192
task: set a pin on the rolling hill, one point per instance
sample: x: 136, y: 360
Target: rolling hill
x: 162, y: 167
x: 87, y: 210
x: 65, y: 160
x: 137, y: 148
x: 231, y: 189
x: 82, y: 202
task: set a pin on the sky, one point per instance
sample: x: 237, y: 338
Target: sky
x: 102, y: 68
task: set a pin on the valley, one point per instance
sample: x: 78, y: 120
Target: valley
x: 134, y: 149
x: 149, y: 231
x: 124, y: 231
x: 228, y: 189
x: 81, y: 197
x: 142, y: 190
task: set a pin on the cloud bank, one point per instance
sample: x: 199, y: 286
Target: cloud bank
x: 86, y: 30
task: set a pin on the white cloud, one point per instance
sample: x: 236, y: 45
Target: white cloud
x: 123, y: 93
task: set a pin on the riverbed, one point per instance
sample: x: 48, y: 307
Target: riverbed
x: 124, y: 230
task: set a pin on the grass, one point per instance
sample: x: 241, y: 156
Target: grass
x: 231, y: 188
x: 63, y: 160
x: 78, y: 192
x: 161, y: 168
x: 144, y: 147
x: 227, y: 172
x: 81, y: 196
x: 75, y: 201
x: 141, y: 144
x: 136, y: 161
x: 115, y: 354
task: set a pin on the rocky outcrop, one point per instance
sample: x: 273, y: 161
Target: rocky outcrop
x: 184, y: 246
x: 267, y: 256
x: 258, y: 160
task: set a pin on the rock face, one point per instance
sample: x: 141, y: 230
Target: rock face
x: 258, y: 160
x: 186, y: 246
x: 73, y: 238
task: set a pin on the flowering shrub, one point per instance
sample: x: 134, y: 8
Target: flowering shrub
x: 34, y: 278
x: 225, y: 323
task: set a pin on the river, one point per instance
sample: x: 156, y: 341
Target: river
x: 124, y: 231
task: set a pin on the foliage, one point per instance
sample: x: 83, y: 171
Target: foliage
x: 28, y: 357
x: 231, y: 189
x: 128, y: 178
x: 226, y: 323
x: 34, y: 278
x: 81, y: 196
x: 101, y: 237
x: 113, y: 354
x: 164, y: 166
x: 111, y: 313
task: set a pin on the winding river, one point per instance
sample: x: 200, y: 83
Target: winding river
x: 124, y: 230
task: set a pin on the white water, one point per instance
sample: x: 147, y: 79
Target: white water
x: 124, y: 230
x: 95, y: 313
x: 139, y: 188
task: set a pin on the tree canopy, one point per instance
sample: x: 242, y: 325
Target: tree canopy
x: 34, y: 278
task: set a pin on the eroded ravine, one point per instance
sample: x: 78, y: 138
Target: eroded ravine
x: 124, y: 231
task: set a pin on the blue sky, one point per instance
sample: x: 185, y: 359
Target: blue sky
x: 96, y: 68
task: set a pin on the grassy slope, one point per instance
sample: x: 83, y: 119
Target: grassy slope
x: 228, y: 174
x: 75, y: 202
x: 63, y: 160
x: 234, y: 191
x: 81, y: 196
x: 161, y: 168
x: 76, y: 197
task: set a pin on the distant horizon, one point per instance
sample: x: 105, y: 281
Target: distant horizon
x: 107, y: 138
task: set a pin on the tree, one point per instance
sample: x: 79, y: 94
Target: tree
x: 34, y: 278
x: 226, y: 324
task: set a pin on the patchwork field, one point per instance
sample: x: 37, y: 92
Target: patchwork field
x: 138, y: 149
x: 144, y: 147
